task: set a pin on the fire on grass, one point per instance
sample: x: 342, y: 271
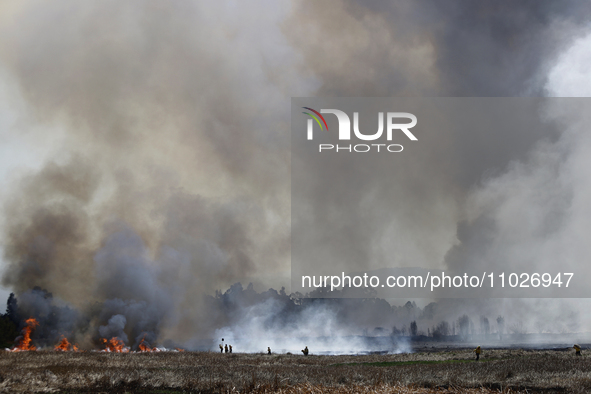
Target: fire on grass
x: 24, y: 341
x: 113, y: 345
x: 145, y: 347
x: 116, y: 345
x: 65, y: 346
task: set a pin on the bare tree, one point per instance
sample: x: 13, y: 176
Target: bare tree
x: 501, y: 326
x: 413, y: 328
x: 484, y: 325
x: 440, y: 330
x: 464, y: 326
x: 518, y: 328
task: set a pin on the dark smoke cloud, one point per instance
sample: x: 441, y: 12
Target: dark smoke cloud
x: 114, y: 328
x: 49, y: 230
x: 159, y: 112
x: 433, y: 48
x: 56, y: 318
x: 500, y: 48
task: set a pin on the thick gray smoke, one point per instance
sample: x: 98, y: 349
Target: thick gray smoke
x: 433, y: 48
x: 114, y: 328
x: 166, y: 174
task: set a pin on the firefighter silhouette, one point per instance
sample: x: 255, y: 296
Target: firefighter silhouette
x: 221, y: 348
x: 268, y: 350
x: 477, y: 351
x: 305, y: 351
x: 230, y: 348
x: 577, y: 349
x: 226, y: 348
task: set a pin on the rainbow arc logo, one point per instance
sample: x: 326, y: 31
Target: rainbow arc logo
x: 315, y: 117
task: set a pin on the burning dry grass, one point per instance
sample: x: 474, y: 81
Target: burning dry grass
x: 24, y: 341
x: 165, y: 372
x: 115, y: 345
x: 65, y: 346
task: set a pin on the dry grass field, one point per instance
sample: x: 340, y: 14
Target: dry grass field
x: 505, y: 371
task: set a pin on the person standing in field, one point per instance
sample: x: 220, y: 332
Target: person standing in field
x: 477, y: 351
x: 305, y: 351
x: 230, y: 348
x: 221, y: 348
x: 268, y: 350
x: 577, y: 349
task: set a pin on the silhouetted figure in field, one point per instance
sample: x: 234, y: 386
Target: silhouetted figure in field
x: 226, y: 349
x: 477, y: 351
x: 230, y: 348
x: 305, y: 351
x: 268, y: 350
x: 221, y: 348
x: 577, y: 350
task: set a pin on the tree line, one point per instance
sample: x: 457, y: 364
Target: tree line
x: 462, y: 327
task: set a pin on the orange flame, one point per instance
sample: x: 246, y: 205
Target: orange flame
x: 65, y: 346
x: 24, y: 344
x: 115, y: 345
x: 145, y: 346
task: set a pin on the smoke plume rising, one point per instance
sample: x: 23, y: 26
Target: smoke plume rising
x: 167, y: 178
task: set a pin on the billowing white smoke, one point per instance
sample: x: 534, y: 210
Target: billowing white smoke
x: 316, y: 327
x: 570, y: 75
x: 539, y: 207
